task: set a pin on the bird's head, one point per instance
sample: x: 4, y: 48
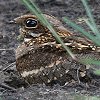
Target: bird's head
x: 30, y: 26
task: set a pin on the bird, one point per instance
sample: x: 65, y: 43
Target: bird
x: 40, y: 59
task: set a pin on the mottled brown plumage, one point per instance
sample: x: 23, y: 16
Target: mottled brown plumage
x: 40, y: 58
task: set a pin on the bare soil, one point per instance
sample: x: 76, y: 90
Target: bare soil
x: 11, y: 84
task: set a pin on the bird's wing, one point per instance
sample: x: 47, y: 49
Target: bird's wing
x: 22, y: 50
x: 76, y: 41
x: 61, y: 30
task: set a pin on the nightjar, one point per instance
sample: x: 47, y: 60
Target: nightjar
x: 40, y: 58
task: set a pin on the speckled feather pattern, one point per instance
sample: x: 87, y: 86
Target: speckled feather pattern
x: 41, y: 59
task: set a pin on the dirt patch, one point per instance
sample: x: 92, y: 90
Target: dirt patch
x: 11, y: 9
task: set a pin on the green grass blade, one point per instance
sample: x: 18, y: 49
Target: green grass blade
x: 80, y: 29
x: 97, y: 72
x: 89, y: 24
x: 90, y: 61
x: 34, y: 9
x: 88, y: 11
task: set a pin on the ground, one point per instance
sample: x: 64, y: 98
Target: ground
x: 10, y: 9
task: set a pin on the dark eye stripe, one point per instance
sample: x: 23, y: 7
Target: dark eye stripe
x: 31, y: 23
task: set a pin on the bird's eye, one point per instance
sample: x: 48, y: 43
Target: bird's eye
x: 31, y: 23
